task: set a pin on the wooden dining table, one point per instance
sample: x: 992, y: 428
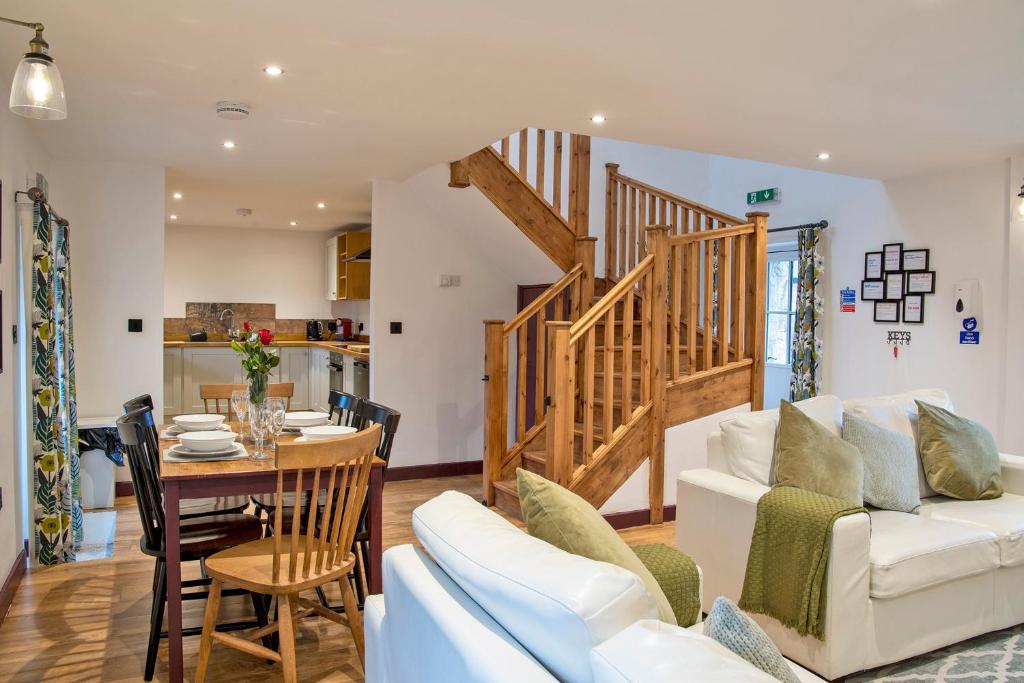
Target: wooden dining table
x: 210, y: 479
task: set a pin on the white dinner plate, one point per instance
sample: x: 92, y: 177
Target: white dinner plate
x: 179, y: 450
x: 216, y: 441
x: 201, y: 422
x: 306, y: 418
x: 325, y: 432
x: 238, y: 453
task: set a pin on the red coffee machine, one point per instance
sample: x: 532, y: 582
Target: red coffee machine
x: 345, y: 329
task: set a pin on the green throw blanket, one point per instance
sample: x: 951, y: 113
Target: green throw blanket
x: 677, y: 576
x: 787, y: 568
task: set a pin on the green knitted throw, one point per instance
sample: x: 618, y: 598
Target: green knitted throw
x: 677, y: 576
x: 787, y: 569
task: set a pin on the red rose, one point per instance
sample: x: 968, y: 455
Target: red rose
x: 265, y: 336
x: 246, y: 326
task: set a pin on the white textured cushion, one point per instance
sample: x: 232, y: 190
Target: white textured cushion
x: 655, y: 652
x: 748, y: 439
x: 899, y: 413
x: 557, y: 605
x: 1003, y: 516
x: 911, y: 552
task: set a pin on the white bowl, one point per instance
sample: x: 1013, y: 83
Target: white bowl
x: 207, y: 442
x: 198, y: 422
x: 308, y: 418
x: 325, y: 432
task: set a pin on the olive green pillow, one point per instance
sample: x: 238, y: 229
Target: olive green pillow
x: 563, y: 519
x: 960, y: 456
x: 810, y: 457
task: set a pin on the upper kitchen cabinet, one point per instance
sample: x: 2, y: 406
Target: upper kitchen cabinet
x: 348, y: 266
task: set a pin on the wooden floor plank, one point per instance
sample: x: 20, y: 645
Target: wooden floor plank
x: 88, y: 621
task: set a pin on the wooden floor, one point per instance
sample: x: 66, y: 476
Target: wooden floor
x: 89, y: 621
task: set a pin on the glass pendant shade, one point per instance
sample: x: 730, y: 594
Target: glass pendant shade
x: 38, y: 90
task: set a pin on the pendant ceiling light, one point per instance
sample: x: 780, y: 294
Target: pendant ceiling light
x: 38, y: 90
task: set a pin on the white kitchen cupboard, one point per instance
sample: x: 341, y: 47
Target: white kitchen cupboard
x: 294, y: 368
x: 173, y: 396
x: 319, y: 378
x: 331, y: 261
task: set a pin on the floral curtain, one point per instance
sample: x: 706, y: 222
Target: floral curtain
x: 57, y: 510
x: 805, y: 379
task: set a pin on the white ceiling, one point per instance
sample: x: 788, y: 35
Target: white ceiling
x: 387, y: 88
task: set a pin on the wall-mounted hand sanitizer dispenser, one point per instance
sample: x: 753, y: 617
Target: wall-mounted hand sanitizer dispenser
x: 967, y: 301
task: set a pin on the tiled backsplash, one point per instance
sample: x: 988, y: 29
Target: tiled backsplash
x: 218, y: 318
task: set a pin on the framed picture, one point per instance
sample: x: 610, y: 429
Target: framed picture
x: 921, y: 283
x: 894, y: 286
x: 892, y: 257
x: 915, y: 260
x: 873, y: 265
x: 887, y: 311
x: 913, y: 308
x: 872, y: 290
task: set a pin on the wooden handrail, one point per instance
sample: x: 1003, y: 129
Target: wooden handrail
x: 544, y: 299
x: 676, y: 199
x: 707, y: 235
x: 598, y: 310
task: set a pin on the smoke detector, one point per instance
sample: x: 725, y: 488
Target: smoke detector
x: 234, y: 111
x: 243, y: 212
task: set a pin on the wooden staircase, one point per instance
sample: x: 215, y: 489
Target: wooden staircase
x: 675, y: 332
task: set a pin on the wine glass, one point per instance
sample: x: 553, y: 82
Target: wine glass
x: 276, y: 406
x: 240, y: 405
x: 259, y: 423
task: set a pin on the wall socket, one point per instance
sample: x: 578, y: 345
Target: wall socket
x: 449, y: 280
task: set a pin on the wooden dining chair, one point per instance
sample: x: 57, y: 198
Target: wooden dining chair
x: 200, y: 537
x: 222, y: 392
x: 285, y: 565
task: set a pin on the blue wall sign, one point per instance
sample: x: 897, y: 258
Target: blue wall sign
x: 968, y: 337
x: 970, y: 324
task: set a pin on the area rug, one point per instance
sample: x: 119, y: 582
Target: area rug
x: 991, y: 658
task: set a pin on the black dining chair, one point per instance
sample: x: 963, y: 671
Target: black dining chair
x: 344, y: 409
x: 141, y: 401
x: 200, y: 537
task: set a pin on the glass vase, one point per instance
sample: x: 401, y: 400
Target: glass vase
x: 258, y: 388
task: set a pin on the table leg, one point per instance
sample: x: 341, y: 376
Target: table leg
x: 376, y: 520
x: 172, y: 531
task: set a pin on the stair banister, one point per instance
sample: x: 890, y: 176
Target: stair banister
x: 757, y: 288
x: 657, y: 242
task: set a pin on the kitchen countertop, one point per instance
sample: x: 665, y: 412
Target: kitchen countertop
x: 358, y: 350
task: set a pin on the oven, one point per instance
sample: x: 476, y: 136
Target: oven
x: 336, y: 368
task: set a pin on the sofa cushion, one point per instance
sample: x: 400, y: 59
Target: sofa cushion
x: 556, y: 604
x: 748, y: 439
x: 959, y: 456
x: 912, y: 552
x: 728, y: 625
x: 810, y: 457
x: 1002, y: 516
x: 890, y: 464
x: 899, y: 412
x: 557, y: 515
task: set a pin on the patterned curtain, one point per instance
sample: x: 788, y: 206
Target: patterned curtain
x: 805, y: 380
x: 57, y: 511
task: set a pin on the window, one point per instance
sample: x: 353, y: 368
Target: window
x: 782, y: 276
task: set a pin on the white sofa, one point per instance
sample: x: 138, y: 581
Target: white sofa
x: 487, y: 603
x: 899, y: 584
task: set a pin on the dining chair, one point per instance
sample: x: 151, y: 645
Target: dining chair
x: 344, y: 408
x: 286, y: 564
x: 199, y: 507
x: 200, y: 537
x: 222, y: 392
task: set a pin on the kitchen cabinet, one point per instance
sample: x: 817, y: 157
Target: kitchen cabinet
x: 294, y: 368
x: 173, y: 396
x: 348, y: 266
x: 319, y: 379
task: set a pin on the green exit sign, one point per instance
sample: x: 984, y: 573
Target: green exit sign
x: 759, y: 196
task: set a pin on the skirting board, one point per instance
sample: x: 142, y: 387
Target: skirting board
x: 12, y: 582
x: 441, y: 469
x: 624, y: 520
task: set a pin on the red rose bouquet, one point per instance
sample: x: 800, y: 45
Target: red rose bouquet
x: 257, y: 360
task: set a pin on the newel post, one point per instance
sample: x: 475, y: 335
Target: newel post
x: 611, y: 213
x: 585, y: 254
x: 757, y: 288
x: 560, y: 419
x: 495, y: 404
x: 657, y: 243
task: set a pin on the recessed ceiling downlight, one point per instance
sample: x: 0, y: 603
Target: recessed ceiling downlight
x: 176, y: 195
x: 824, y: 156
x: 228, y: 144
x: 293, y: 224
x: 321, y: 205
x: 273, y: 70
x: 173, y: 216
x: 598, y: 118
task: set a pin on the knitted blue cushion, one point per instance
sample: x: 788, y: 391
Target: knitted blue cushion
x: 741, y: 634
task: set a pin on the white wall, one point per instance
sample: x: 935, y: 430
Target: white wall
x: 22, y: 156
x: 283, y: 267
x: 432, y: 371
x: 116, y: 212
x: 1013, y: 431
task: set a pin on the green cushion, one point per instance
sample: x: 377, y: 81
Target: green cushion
x: 566, y: 521
x: 810, y: 457
x: 960, y: 456
x: 678, y: 577
x: 890, y: 464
